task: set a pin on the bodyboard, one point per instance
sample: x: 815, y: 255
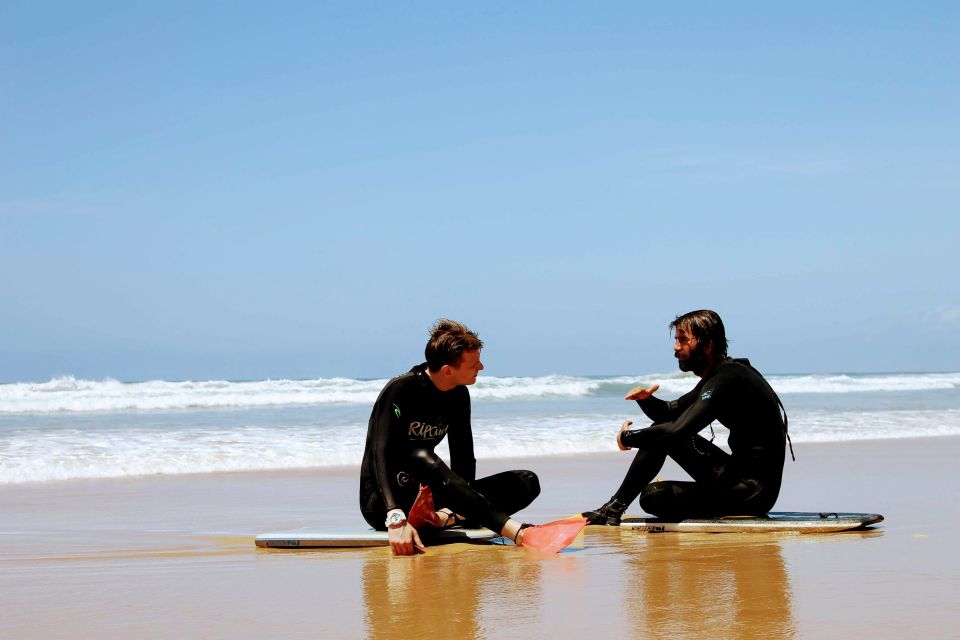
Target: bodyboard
x: 315, y: 538
x: 773, y: 522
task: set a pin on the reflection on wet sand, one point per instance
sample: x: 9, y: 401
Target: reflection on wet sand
x: 630, y: 584
x: 451, y: 591
x: 702, y: 586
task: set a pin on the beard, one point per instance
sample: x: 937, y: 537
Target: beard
x: 696, y: 362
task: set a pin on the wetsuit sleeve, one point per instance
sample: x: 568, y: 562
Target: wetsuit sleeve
x: 663, y: 410
x: 384, y: 424
x: 462, y: 459
x: 701, y: 410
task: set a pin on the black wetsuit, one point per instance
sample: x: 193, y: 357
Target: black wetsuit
x: 410, y: 418
x: 745, y: 481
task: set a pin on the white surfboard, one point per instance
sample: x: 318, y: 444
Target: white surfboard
x: 773, y: 522
x: 310, y: 538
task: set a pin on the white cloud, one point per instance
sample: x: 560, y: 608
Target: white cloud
x: 943, y: 318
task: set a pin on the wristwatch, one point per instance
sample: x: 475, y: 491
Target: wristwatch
x: 395, y: 519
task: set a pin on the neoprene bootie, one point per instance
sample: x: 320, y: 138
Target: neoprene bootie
x: 609, y: 514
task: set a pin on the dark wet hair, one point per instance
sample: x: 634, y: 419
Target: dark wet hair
x: 705, y: 325
x: 448, y: 341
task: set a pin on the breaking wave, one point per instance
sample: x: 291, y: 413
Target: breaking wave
x: 69, y: 394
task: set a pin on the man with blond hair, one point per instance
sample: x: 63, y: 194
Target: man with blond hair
x: 404, y: 485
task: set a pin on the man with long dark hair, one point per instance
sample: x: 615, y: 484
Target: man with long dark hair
x: 745, y: 481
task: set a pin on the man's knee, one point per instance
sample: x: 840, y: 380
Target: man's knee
x: 429, y: 469
x: 654, y: 494
x: 424, y: 460
x: 531, y: 483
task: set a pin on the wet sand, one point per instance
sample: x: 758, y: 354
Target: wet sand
x: 173, y: 557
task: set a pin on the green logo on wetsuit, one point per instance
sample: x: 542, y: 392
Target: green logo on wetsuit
x: 396, y: 410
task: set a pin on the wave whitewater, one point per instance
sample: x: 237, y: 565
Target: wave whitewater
x: 176, y: 447
x: 69, y: 394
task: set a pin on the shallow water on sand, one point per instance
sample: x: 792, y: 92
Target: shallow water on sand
x: 173, y: 556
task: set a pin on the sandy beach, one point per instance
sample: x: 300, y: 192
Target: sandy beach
x: 173, y: 557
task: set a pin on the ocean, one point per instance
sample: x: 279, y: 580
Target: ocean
x: 68, y: 428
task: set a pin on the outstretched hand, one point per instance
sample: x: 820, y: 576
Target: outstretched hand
x: 641, y: 393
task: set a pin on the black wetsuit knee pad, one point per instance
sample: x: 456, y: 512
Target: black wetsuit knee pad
x: 531, y: 483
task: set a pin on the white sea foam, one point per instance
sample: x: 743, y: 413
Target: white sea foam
x: 679, y: 383
x: 595, y: 433
x: 68, y: 394
x: 69, y: 454
x: 71, y: 428
x: 489, y: 387
x: 53, y: 453
x: 883, y: 383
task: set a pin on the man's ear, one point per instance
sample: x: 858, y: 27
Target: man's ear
x: 708, y: 349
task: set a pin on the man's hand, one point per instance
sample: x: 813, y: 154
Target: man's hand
x: 625, y: 427
x: 404, y: 540
x: 641, y: 393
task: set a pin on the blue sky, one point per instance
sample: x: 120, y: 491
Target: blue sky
x: 235, y: 190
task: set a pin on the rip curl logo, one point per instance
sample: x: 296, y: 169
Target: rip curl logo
x: 396, y: 410
x: 424, y: 431
x: 403, y: 478
x: 706, y: 395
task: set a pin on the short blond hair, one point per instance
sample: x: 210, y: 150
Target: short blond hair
x: 448, y: 340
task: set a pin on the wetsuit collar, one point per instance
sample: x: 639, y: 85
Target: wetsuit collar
x: 421, y: 372
x: 424, y: 377
x: 716, y: 365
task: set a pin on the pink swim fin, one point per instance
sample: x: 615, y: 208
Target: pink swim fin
x: 553, y: 536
